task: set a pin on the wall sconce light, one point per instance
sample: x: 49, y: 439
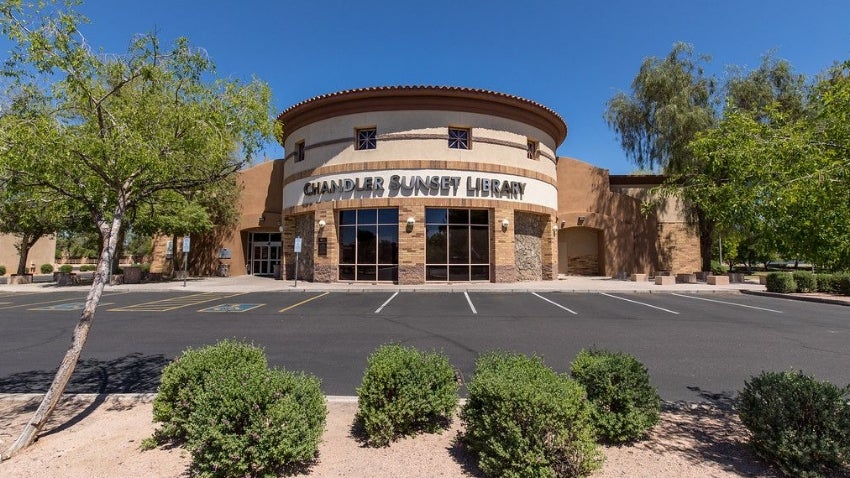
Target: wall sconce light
x: 262, y: 220
x: 411, y: 221
x: 322, y: 223
x: 581, y: 220
x: 505, y: 223
x: 563, y: 224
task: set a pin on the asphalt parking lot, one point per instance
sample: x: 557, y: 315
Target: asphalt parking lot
x: 697, y: 346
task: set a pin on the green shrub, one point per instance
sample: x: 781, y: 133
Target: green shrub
x: 805, y: 281
x: 800, y: 424
x: 780, y: 282
x: 826, y: 283
x: 66, y: 268
x: 718, y: 269
x: 2, y: 270
x: 46, y: 268
x: 404, y: 391
x: 523, y: 419
x: 624, y: 404
x: 842, y: 283
x: 87, y: 267
x: 255, y: 422
x: 185, y: 378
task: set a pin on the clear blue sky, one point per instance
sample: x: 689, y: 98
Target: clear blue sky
x: 568, y: 55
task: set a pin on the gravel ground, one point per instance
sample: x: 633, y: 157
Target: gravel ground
x: 100, y: 436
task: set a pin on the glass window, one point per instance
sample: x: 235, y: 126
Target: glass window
x: 479, y: 216
x: 457, y: 245
x: 458, y: 216
x: 347, y: 244
x: 479, y: 244
x: 367, y: 216
x: 299, y: 151
x: 435, y: 247
x: 367, y: 138
x: 388, y: 244
x: 458, y: 138
x: 368, y: 242
x: 533, y: 149
x: 436, y: 216
x: 349, y: 216
x: 388, y: 216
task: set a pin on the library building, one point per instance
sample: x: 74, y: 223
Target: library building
x: 421, y: 184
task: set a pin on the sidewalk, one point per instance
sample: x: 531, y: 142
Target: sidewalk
x: 266, y: 284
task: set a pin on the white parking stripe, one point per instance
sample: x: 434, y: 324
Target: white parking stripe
x: 379, y: 309
x: 554, y: 303
x: 641, y: 303
x: 470, y: 302
x: 727, y: 303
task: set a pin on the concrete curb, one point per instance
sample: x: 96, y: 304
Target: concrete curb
x: 802, y: 298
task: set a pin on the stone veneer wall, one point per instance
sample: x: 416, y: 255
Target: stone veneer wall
x: 528, y: 232
x: 304, y: 228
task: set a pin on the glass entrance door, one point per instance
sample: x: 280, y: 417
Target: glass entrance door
x: 264, y: 253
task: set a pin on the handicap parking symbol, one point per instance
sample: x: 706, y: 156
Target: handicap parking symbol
x: 231, y: 307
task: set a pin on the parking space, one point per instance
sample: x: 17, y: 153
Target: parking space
x: 29, y: 301
x: 688, y: 341
x: 174, y: 303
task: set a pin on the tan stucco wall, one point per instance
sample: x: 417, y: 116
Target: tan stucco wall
x: 677, y: 240
x: 261, y: 197
x: 628, y: 238
x: 415, y: 135
x: 43, y: 252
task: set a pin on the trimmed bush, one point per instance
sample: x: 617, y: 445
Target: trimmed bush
x: 798, y: 423
x: 66, y: 268
x: 2, y: 270
x: 781, y: 282
x: 624, y: 405
x: 523, y: 419
x: 842, y: 283
x: 805, y: 281
x: 46, y: 268
x: 255, y: 422
x: 405, y: 391
x: 826, y: 283
x: 718, y: 269
x: 185, y: 378
x: 87, y: 267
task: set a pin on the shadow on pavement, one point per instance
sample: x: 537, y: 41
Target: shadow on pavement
x: 134, y: 373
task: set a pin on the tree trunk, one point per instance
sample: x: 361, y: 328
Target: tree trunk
x: 706, y: 238
x: 27, y: 241
x: 81, y: 332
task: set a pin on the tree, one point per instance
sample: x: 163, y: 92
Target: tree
x: 777, y: 164
x: 671, y: 102
x: 29, y: 215
x: 121, y: 128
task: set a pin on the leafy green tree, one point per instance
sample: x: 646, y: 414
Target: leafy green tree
x: 29, y: 215
x: 121, y: 128
x: 671, y: 102
x: 779, y: 173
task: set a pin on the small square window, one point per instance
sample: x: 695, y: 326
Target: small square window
x: 458, y: 138
x: 367, y: 138
x: 299, y: 151
x: 533, y: 151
